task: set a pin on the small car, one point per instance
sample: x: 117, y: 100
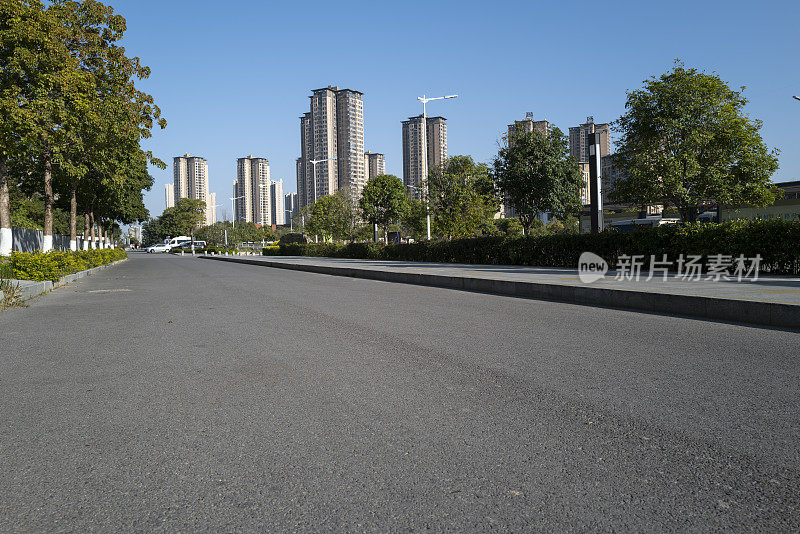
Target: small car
x: 158, y: 247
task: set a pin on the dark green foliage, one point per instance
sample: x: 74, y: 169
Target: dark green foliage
x: 777, y: 241
x: 685, y: 139
x: 40, y: 266
x: 294, y: 237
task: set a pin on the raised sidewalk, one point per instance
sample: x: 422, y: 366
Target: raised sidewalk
x: 769, y: 301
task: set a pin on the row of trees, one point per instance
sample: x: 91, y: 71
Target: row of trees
x: 684, y: 141
x: 462, y: 196
x: 73, y: 118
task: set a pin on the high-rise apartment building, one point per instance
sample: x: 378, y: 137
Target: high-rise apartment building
x: 169, y: 195
x: 190, y: 180
x: 251, y: 190
x: 290, y: 205
x: 375, y: 164
x: 579, y: 149
x: 528, y: 125
x: 436, y: 144
x: 276, y: 214
x: 331, y: 133
x: 578, y: 139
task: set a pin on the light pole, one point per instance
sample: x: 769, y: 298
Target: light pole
x: 424, y: 136
x: 314, y: 167
x: 291, y: 220
x: 233, y: 208
x: 796, y: 97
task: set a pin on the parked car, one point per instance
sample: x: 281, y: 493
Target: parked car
x: 188, y: 245
x: 158, y: 247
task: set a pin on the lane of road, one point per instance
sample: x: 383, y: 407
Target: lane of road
x: 173, y: 393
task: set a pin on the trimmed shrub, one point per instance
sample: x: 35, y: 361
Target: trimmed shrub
x: 777, y: 241
x: 41, y: 266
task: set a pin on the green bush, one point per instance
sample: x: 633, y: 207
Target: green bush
x: 776, y: 240
x: 41, y: 266
x: 272, y: 250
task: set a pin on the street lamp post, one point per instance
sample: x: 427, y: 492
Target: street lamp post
x: 233, y: 208
x: 424, y: 135
x: 291, y: 220
x: 314, y: 167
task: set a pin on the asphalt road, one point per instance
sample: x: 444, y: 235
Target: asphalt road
x: 176, y: 394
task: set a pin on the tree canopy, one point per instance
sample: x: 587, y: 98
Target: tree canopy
x: 383, y: 201
x: 685, y: 140
x: 535, y: 173
x: 461, y: 196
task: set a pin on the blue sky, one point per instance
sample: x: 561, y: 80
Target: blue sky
x: 233, y: 77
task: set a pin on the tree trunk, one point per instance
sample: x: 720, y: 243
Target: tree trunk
x: 47, y: 244
x: 92, y: 242
x: 86, y: 229
x: 6, y: 238
x: 73, y: 219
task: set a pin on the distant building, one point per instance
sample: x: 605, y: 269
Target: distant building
x: 276, y: 215
x: 528, y: 125
x: 579, y: 141
x: 251, y: 189
x: 375, y: 164
x: 787, y: 206
x: 333, y: 128
x: 435, y: 143
x: 290, y: 206
x: 190, y: 180
x: 169, y: 195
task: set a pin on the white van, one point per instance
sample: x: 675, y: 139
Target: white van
x: 176, y: 241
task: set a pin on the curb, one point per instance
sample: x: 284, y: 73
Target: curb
x: 30, y: 289
x: 714, y: 308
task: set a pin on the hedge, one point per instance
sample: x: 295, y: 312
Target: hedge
x: 777, y: 241
x: 41, y: 266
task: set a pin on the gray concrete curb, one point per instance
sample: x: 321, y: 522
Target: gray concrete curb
x: 30, y: 289
x: 718, y: 309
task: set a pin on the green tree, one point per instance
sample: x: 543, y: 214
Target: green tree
x: 37, y: 78
x: 187, y: 215
x: 383, y: 201
x: 332, y: 217
x: 536, y: 174
x: 414, y: 219
x: 461, y: 196
x: 685, y: 139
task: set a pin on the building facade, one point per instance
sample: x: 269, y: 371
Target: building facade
x: 435, y: 146
x: 276, y: 214
x: 528, y: 125
x: 190, y: 180
x: 253, y: 202
x: 375, y: 164
x: 332, y: 134
x: 169, y: 195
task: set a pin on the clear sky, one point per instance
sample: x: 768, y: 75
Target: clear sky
x: 233, y: 77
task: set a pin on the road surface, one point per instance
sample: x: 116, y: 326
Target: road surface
x: 172, y: 393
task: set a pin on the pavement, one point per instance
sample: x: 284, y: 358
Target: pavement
x: 173, y: 394
x: 764, y: 300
